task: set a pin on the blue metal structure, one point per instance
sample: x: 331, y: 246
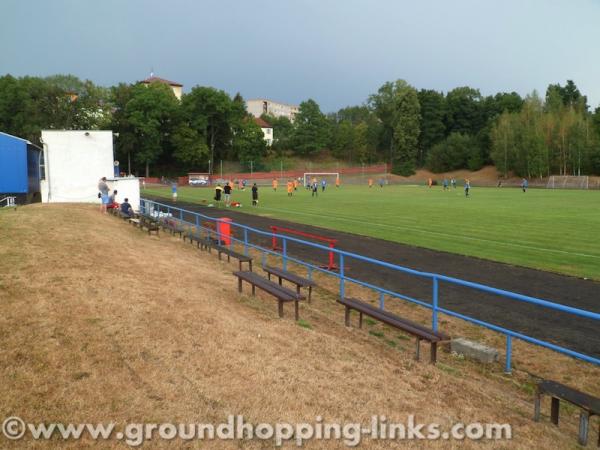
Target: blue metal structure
x: 19, y: 168
x: 150, y: 207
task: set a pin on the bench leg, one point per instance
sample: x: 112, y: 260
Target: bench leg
x: 296, y: 309
x: 240, y: 265
x: 309, y: 293
x: 269, y: 276
x: 359, y: 319
x: 279, y: 281
x: 219, y: 256
x: 537, y: 406
x: 584, y: 421
x: 433, y: 352
x: 347, y: 317
x: 418, y: 349
x: 253, y: 289
x: 250, y: 265
x: 280, y: 307
x: 554, y: 408
x: 228, y: 258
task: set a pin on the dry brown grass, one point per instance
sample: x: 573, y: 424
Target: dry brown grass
x: 101, y: 323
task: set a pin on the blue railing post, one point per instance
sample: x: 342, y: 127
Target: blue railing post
x: 309, y: 275
x: 168, y: 211
x: 284, y: 253
x: 342, y: 287
x: 434, y: 315
x: 181, y: 215
x: 197, y: 222
x: 246, y: 241
x: 507, y: 367
x: 264, y: 259
x: 381, y: 300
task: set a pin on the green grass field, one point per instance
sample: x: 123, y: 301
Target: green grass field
x: 554, y: 230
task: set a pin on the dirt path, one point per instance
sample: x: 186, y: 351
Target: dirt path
x: 579, y: 334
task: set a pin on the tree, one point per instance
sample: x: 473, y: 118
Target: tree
x: 432, y: 127
x: 249, y: 143
x: 397, y: 106
x: 311, y: 132
x: 464, y: 111
x: 210, y: 113
x: 283, y: 132
x: 190, y: 147
x: 120, y: 95
x: 151, y: 112
x: 455, y: 152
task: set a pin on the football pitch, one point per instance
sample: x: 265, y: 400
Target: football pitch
x: 554, y: 230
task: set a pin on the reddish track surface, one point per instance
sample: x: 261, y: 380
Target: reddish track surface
x: 579, y: 334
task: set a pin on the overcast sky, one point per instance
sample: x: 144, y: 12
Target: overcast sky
x: 334, y: 51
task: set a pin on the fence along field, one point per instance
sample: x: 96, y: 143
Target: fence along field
x: 546, y: 229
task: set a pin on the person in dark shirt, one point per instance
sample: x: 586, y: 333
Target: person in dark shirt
x: 126, y: 208
x: 254, y: 195
x: 227, y: 192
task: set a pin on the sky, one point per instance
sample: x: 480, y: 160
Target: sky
x: 336, y: 52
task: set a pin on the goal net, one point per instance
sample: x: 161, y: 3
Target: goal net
x: 329, y: 177
x: 568, y: 182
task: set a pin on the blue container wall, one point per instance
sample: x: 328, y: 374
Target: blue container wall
x: 33, y: 169
x: 13, y: 165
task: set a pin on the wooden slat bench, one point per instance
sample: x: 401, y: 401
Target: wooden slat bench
x: 292, y: 278
x: 174, y: 226
x: 589, y: 405
x: 421, y: 332
x: 194, y: 236
x: 282, y: 294
x: 149, y: 223
x: 230, y: 253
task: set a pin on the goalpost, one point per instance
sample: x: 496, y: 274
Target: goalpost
x: 568, y: 182
x: 331, y: 177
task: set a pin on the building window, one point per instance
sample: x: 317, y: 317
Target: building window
x: 268, y: 131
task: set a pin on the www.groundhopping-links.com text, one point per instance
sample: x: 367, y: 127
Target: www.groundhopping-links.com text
x: 236, y: 428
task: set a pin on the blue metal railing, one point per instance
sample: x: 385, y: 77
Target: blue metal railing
x: 151, y: 207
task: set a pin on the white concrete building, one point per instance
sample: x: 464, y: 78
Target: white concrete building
x: 74, y: 162
x: 266, y: 128
x: 258, y: 107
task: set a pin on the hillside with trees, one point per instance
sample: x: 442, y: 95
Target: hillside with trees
x: 398, y: 124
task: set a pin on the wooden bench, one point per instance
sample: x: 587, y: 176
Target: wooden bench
x: 281, y: 293
x: 292, y: 278
x: 174, y: 226
x: 194, y: 236
x: 230, y: 253
x: 149, y: 223
x: 421, y: 332
x: 589, y: 405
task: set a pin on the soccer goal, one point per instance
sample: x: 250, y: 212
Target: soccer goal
x: 329, y: 177
x: 568, y: 182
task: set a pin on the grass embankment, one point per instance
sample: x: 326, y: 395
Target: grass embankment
x: 553, y: 230
x: 102, y: 323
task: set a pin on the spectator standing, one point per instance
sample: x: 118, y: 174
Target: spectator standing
x: 103, y: 188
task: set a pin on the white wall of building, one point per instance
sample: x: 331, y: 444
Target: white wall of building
x: 75, y: 162
x: 268, y: 135
x: 256, y: 107
x: 127, y: 188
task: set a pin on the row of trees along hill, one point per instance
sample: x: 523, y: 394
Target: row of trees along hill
x: 397, y: 124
